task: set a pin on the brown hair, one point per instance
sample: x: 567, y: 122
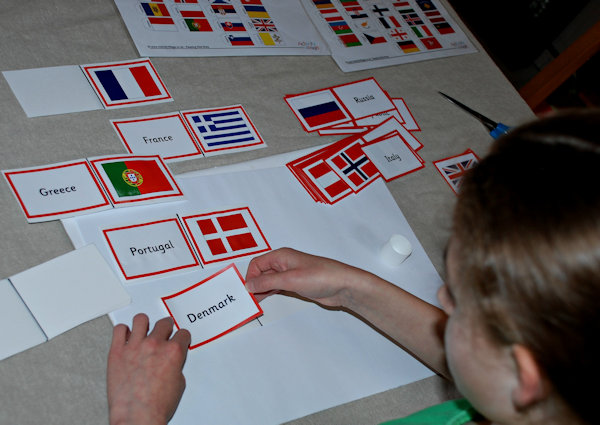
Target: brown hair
x: 527, y: 223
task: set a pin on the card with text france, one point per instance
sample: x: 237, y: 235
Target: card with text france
x: 136, y: 179
x: 213, y: 307
x: 57, y: 191
x: 165, y: 135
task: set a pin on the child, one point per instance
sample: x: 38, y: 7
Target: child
x: 518, y: 332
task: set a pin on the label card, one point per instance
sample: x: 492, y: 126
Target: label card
x: 56, y: 191
x: 393, y: 157
x: 363, y: 98
x: 165, y: 135
x: 213, y: 307
x: 224, y: 235
x: 150, y: 249
x: 135, y: 178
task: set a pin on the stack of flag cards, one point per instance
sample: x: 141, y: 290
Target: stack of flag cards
x: 380, y: 141
x: 184, y: 241
x: 190, y: 134
x: 89, y: 185
x: 51, y: 298
x: 76, y: 88
x: 454, y: 168
x: 213, y: 307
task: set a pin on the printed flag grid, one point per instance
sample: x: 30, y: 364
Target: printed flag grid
x: 223, y: 129
x: 226, y: 235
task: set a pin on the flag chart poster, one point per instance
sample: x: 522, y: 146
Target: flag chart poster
x: 218, y: 130
x: 127, y: 83
x: 225, y: 235
x: 363, y: 34
x: 134, y: 178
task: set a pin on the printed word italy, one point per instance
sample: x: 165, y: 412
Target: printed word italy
x: 212, y: 309
x: 151, y: 249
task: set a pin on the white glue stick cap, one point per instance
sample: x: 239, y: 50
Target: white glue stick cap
x: 396, y: 250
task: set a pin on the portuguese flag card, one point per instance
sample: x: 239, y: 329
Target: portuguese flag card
x: 135, y: 178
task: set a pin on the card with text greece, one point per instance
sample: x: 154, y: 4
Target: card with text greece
x: 56, y: 191
x: 213, y: 307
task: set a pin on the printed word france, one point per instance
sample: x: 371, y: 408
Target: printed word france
x: 192, y: 317
x: 150, y: 249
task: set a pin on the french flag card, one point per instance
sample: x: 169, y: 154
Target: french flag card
x: 126, y: 83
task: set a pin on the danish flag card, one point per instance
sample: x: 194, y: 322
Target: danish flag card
x: 220, y: 236
x: 126, y: 83
x: 213, y: 307
x: 454, y: 168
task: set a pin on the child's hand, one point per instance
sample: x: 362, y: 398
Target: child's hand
x: 144, y: 379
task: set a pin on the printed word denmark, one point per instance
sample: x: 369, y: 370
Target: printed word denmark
x: 192, y: 317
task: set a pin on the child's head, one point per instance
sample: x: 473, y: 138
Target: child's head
x: 527, y: 232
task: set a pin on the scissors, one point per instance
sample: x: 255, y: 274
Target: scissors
x: 496, y: 129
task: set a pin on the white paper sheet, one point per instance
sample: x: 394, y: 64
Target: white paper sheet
x: 303, y: 359
x: 70, y: 290
x: 18, y: 328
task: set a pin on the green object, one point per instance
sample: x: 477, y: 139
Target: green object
x: 454, y: 412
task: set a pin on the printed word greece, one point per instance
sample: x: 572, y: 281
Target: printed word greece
x: 150, y: 249
x: 212, y: 309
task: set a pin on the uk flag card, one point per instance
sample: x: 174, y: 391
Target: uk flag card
x: 221, y: 236
x: 223, y: 130
x: 126, y: 83
x: 454, y: 168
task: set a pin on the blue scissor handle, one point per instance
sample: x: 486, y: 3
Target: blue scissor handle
x: 500, y: 130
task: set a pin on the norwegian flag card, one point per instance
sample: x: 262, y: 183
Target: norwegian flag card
x: 150, y: 249
x: 213, y: 307
x: 353, y: 166
x: 57, y: 191
x: 221, y: 236
x: 454, y: 168
x: 166, y: 135
x: 393, y: 157
x: 126, y: 83
x: 130, y: 179
x: 223, y: 130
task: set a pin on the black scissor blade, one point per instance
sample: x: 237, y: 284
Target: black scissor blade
x: 485, y: 120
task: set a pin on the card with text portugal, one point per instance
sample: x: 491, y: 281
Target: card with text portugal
x: 130, y: 178
x: 126, y: 83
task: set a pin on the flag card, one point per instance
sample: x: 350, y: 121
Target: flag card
x: 223, y: 130
x: 126, y: 83
x: 317, y: 109
x: 328, y: 181
x: 56, y: 191
x: 363, y: 98
x: 389, y: 126
x: 67, y: 291
x: 354, y: 166
x: 135, y: 179
x: 213, y: 307
x: 150, y: 249
x: 393, y: 157
x: 225, y: 235
x: 454, y: 168
x: 165, y: 135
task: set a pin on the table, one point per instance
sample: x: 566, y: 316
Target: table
x: 63, y: 381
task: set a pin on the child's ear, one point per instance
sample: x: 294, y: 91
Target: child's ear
x: 532, y: 386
